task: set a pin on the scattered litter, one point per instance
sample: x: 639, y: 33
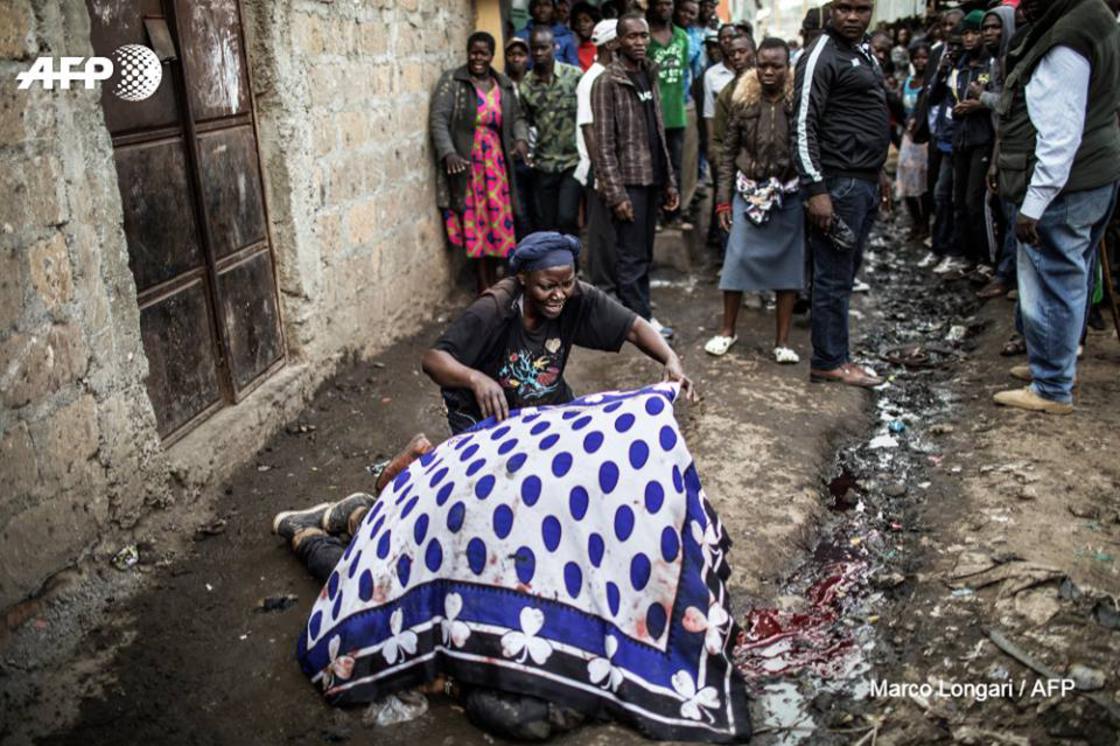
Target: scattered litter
x: 941, y: 428
x: 210, y: 529
x: 1105, y: 614
x: 897, y: 426
x: 882, y: 441
x: 396, y: 708
x: 895, y: 489
x: 263, y: 467
x: 243, y: 637
x: 379, y: 365
x: 209, y: 587
x: 962, y: 593
x: 957, y: 333
x: 1087, y: 679
x: 924, y: 485
x: 126, y: 558
x: 277, y: 603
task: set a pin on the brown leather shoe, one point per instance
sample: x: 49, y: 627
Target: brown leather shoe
x: 848, y: 374
x: 993, y: 289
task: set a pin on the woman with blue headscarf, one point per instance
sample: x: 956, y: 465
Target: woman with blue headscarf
x: 508, y: 349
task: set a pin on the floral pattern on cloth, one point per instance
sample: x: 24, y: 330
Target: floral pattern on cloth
x: 568, y: 553
x: 763, y: 196
x: 533, y: 378
x: 486, y: 226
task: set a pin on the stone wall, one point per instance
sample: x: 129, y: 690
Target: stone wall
x: 78, y: 451
x: 342, y: 91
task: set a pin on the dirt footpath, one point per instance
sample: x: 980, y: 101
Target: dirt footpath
x: 189, y: 658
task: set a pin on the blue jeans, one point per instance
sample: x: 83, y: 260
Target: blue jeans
x: 1054, y: 279
x: 855, y: 201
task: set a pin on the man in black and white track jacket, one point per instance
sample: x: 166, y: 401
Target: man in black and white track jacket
x: 841, y: 136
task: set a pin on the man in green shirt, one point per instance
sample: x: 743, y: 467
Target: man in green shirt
x: 548, y: 97
x: 669, y: 49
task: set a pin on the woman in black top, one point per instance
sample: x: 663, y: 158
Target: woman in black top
x: 509, y: 348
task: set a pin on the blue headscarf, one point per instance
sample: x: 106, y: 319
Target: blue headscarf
x: 544, y: 250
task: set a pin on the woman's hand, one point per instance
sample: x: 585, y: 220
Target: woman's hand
x: 724, y: 213
x: 491, y: 397
x: 455, y: 164
x: 674, y: 372
x: 521, y: 151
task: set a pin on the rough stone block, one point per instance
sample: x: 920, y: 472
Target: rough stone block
x: 32, y: 195
x: 328, y: 232
x: 15, y: 30
x: 38, y: 364
x: 18, y: 462
x: 11, y: 288
x: 46, y: 538
x: 67, y: 440
x: 373, y: 38
x: 324, y: 135
x: 50, y: 271
x: 362, y: 222
x: 352, y: 126
x: 13, y: 113
x: 307, y: 34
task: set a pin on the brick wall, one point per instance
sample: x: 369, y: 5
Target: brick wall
x: 342, y: 92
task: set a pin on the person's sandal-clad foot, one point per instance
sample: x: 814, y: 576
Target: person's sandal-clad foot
x: 337, y: 519
x: 847, y: 374
x: 720, y: 344
x: 291, y: 522
x: 1026, y: 398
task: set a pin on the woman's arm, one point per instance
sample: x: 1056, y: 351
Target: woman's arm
x: 449, y: 373
x: 439, y: 117
x: 645, y: 338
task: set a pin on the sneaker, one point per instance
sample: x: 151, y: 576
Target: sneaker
x: 928, y: 260
x: 291, y: 522
x: 664, y: 331
x: 952, y: 264
x: 859, y: 286
x: 336, y: 520
x: 1026, y: 398
x: 928, y: 242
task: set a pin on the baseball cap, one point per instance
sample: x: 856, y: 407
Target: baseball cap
x: 604, y: 32
x: 711, y: 36
x: 515, y: 41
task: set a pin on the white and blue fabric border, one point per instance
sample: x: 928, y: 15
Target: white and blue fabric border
x: 568, y: 553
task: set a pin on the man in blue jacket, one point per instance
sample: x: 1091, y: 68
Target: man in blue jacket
x: 841, y: 136
x: 543, y: 13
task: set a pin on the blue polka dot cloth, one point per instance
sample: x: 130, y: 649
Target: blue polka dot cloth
x: 568, y: 553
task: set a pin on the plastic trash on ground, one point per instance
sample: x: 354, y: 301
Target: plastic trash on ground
x: 396, y: 708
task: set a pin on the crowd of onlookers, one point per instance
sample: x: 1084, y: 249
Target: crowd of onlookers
x: 988, y: 122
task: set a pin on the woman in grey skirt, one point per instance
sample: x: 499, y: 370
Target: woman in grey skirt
x: 758, y: 199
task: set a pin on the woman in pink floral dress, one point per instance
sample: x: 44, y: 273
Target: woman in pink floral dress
x: 477, y: 126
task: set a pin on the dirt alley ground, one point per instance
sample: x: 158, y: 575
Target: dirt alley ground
x: 1026, y: 505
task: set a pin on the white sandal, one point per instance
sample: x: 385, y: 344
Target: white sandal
x: 786, y: 356
x: 719, y: 345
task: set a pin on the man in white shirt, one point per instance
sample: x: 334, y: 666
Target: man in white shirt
x: 1059, y: 163
x: 600, y: 231
x: 719, y: 75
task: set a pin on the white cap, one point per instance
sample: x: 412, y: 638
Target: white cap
x: 604, y: 32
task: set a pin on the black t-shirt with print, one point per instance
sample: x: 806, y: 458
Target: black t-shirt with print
x: 490, y: 337
x: 641, y: 81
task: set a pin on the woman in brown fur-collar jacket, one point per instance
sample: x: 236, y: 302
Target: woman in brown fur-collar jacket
x: 758, y: 200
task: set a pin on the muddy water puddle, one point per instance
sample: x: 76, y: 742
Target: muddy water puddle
x: 814, y: 644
